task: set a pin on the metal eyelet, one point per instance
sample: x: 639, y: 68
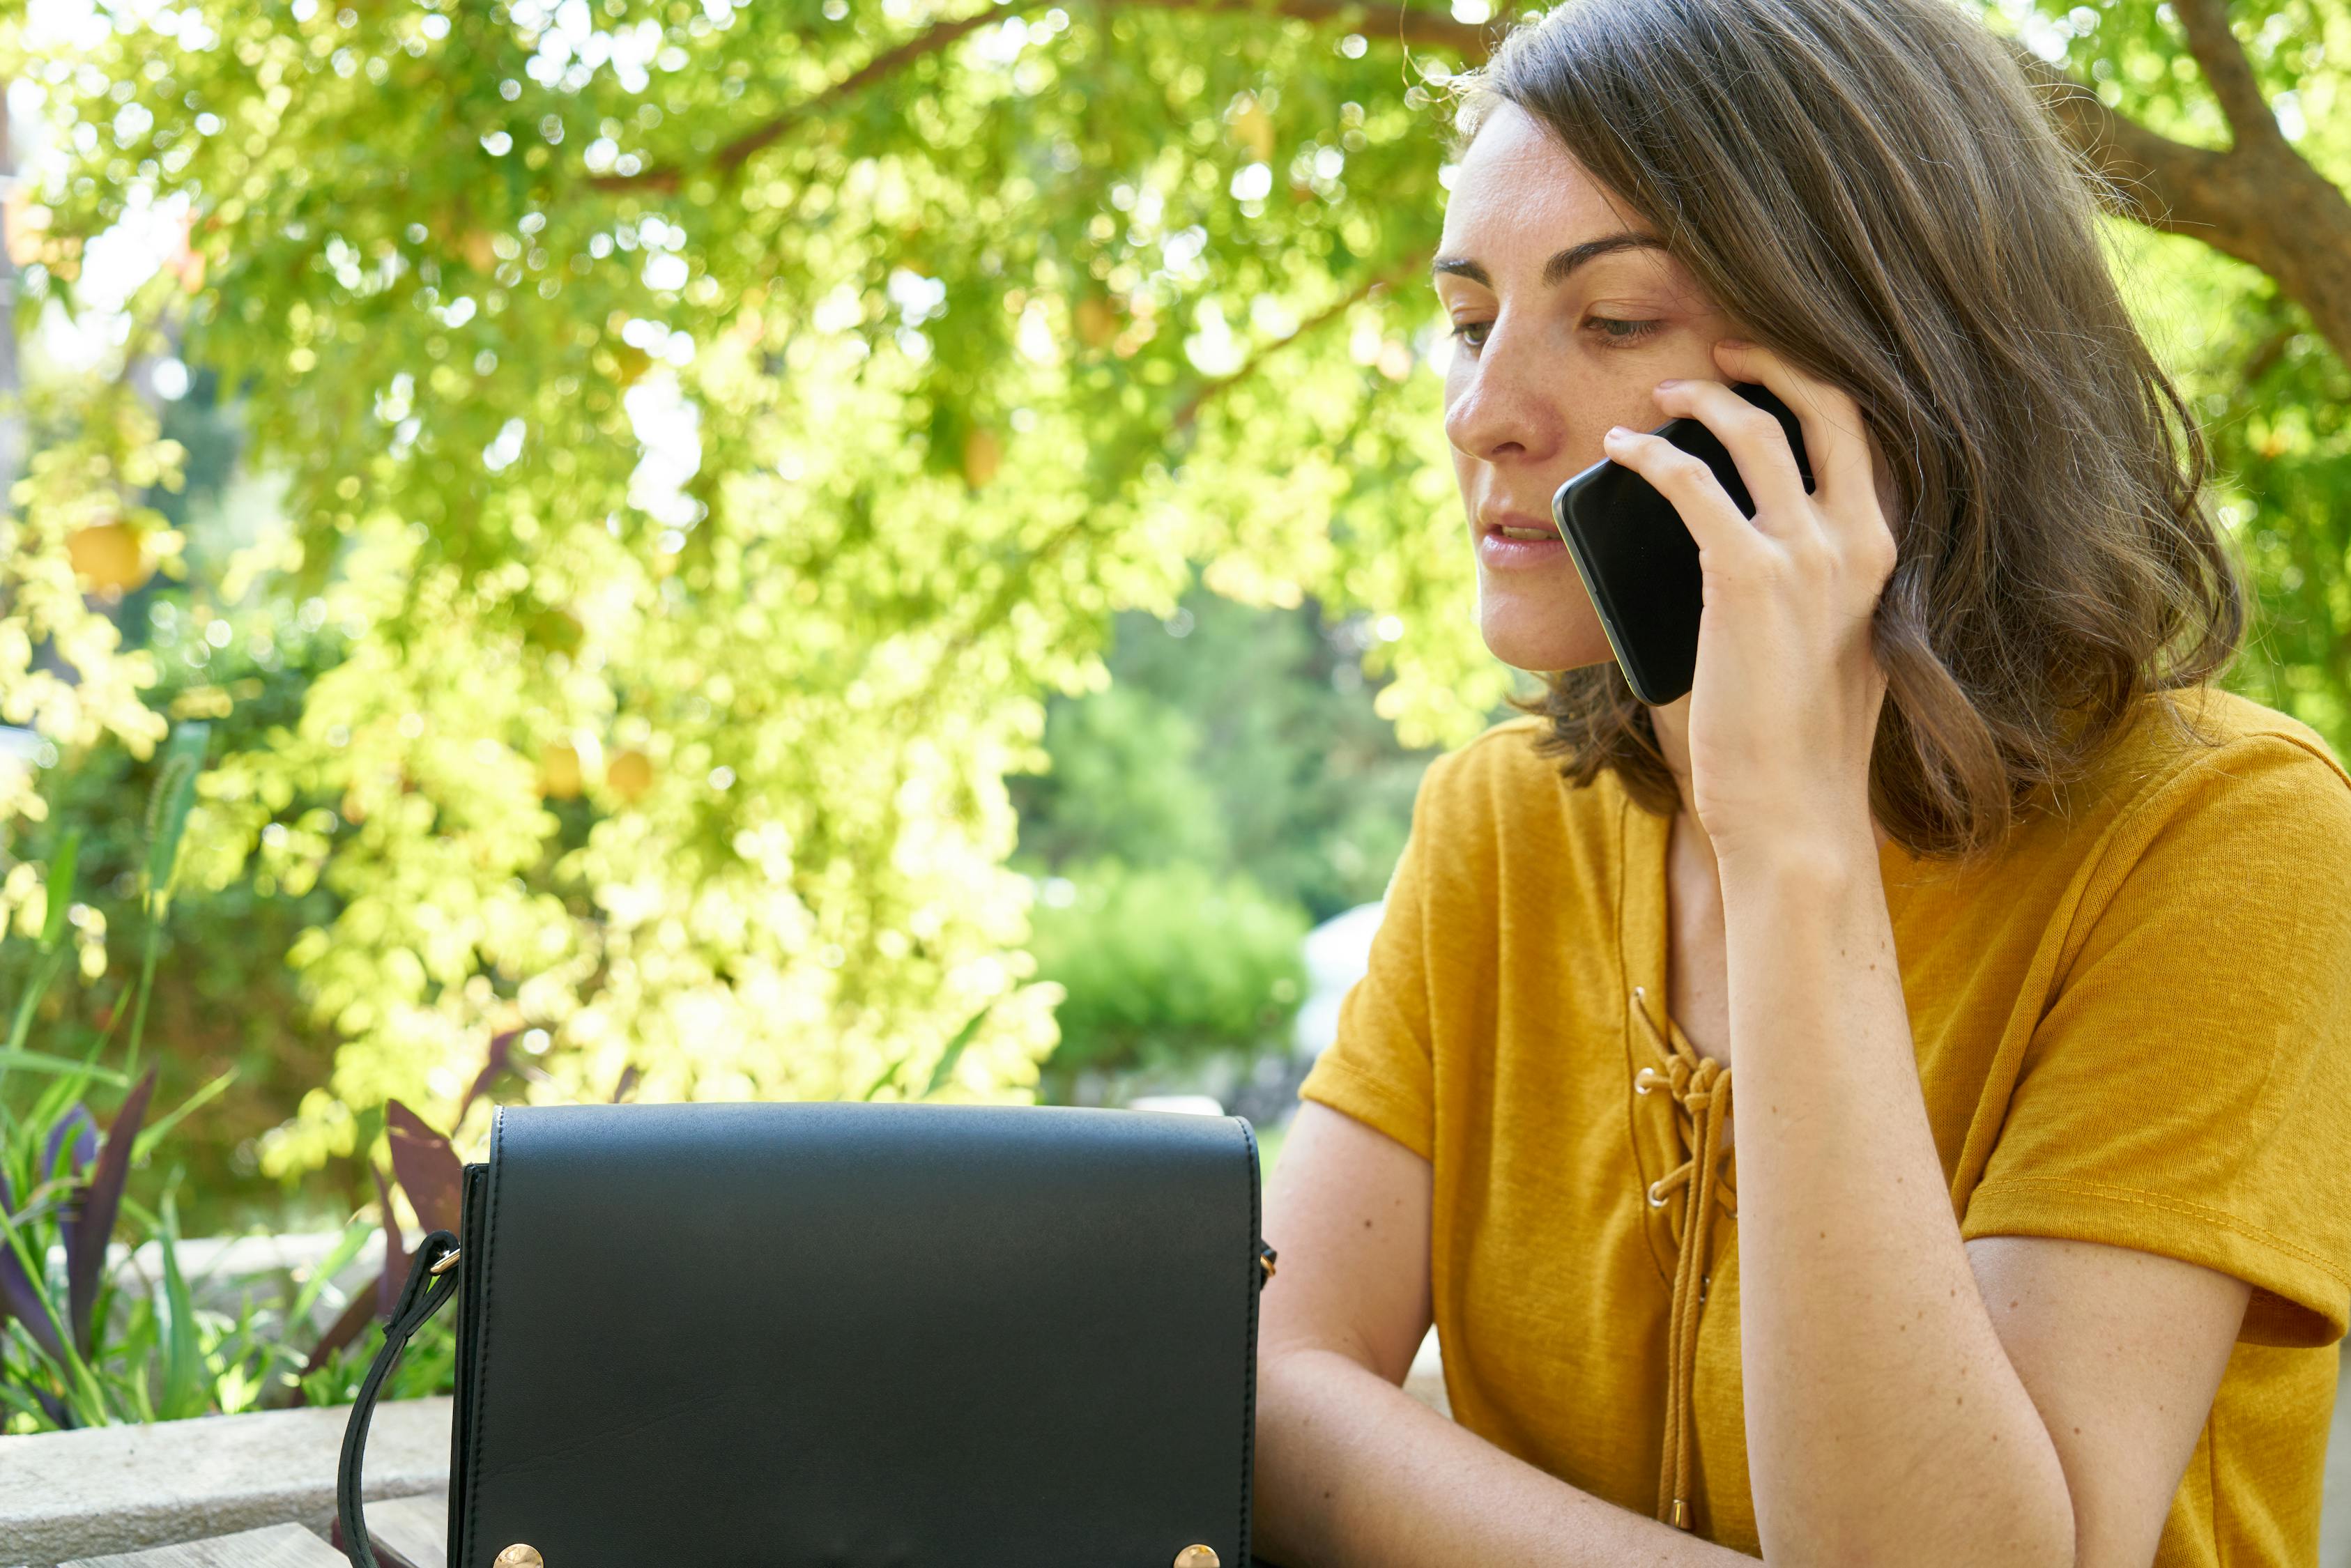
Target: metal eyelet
x: 1640, y: 1079
x: 1654, y: 1201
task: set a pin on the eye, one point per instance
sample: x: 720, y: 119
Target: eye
x: 1617, y: 330
x: 1462, y: 329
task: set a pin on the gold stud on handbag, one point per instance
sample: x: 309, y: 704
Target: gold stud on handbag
x: 521, y: 1555
x: 1196, y: 1557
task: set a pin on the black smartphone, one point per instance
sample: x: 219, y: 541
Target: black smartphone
x: 1638, y: 559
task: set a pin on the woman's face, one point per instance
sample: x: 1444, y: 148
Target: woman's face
x: 1566, y: 311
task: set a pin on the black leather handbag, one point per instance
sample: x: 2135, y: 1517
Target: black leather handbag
x: 794, y: 1335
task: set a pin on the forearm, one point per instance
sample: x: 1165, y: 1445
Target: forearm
x: 1353, y: 1473
x: 1884, y: 1423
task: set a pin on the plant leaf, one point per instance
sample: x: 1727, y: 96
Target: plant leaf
x: 41, y: 1061
x: 496, y: 1059
x: 19, y: 1299
x: 101, y: 1201
x: 61, y: 876
x: 183, y: 1393
x: 428, y: 1168
x: 167, y: 809
x: 75, y: 1136
x: 954, y: 1052
x: 395, y: 1251
x: 349, y: 1326
x: 355, y: 1237
x: 155, y: 1135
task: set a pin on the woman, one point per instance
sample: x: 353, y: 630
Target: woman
x: 2029, y: 953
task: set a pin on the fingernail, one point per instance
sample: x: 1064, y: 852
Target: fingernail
x: 1669, y: 384
x: 1617, y: 432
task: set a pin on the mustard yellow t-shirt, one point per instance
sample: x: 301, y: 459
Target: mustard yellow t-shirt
x: 2133, y: 1027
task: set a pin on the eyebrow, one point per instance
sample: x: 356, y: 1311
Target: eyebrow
x: 1559, y: 267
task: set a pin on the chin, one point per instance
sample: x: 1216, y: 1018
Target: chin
x: 1558, y: 631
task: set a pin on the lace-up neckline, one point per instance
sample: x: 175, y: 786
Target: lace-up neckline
x: 1700, y: 1091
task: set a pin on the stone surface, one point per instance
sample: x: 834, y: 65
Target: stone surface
x: 281, y: 1546
x: 410, y: 1531
x: 69, y: 1495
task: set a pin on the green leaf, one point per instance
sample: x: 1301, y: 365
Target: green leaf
x: 41, y: 1061
x: 153, y: 1134
x: 62, y: 877
x: 946, y: 1068
x: 167, y: 807
x: 322, y: 1274
x: 183, y: 1391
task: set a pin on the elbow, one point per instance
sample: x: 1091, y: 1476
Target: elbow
x: 2018, y: 1518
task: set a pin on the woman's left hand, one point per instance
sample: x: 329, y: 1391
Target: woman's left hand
x: 1785, y: 704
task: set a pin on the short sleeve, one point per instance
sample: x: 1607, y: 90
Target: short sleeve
x: 2188, y: 1090
x: 1380, y: 1067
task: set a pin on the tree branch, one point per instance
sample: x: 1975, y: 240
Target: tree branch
x: 2148, y: 173
x: 2228, y: 71
x: 1412, y: 26
x: 1208, y: 391
x: 888, y: 63
x: 2259, y: 202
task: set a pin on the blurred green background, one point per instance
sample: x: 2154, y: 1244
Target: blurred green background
x: 806, y: 550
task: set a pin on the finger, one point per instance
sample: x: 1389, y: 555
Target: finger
x: 1706, y: 509
x: 1756, y: 443
x: 1835, y: 440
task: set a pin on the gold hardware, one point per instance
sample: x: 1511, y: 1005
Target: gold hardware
x: 443, y: 1267
x: 1196, y: 1557
x: 1264, y: 1261
x: 521, y: 1555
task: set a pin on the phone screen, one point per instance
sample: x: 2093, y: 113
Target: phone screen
x: 1638, y: 559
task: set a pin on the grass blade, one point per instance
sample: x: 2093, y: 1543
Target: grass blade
x: 41, y: 1061
x: 184, y: 1392
x: 155, y: 1135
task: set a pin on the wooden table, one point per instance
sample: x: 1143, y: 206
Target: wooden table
x: 409, y: 1532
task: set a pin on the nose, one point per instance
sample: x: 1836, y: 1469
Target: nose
x: 1505, y: 403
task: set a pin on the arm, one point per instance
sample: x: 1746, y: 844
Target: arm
x: 1892, y: 1414
x: 1353, y: 1471
x: 1911, y: 1397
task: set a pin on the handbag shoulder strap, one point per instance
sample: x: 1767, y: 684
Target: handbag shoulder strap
x: 432, y: 1281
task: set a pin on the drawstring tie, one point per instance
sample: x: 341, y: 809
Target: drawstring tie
x: 1701, y: 1090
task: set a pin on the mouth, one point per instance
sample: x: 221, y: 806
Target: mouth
x: 1520, y: 526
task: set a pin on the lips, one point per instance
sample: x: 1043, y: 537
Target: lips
x: 1518, y: 526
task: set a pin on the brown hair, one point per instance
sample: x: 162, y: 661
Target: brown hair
x: 1873, y: 192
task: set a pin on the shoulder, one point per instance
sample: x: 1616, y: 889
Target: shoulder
x: 1497, y: 817
x: 1507, y: 776
x: 2214, y: 797
x: 2206, y: 750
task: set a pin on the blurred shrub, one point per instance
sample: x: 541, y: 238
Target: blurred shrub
x: 222, y: 996
x: 1164, y: 966
x: 1236, y: 737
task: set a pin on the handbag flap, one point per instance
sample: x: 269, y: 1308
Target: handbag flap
x: 850, y: 1334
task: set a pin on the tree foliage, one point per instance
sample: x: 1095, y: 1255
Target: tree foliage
x: 711, y: 431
